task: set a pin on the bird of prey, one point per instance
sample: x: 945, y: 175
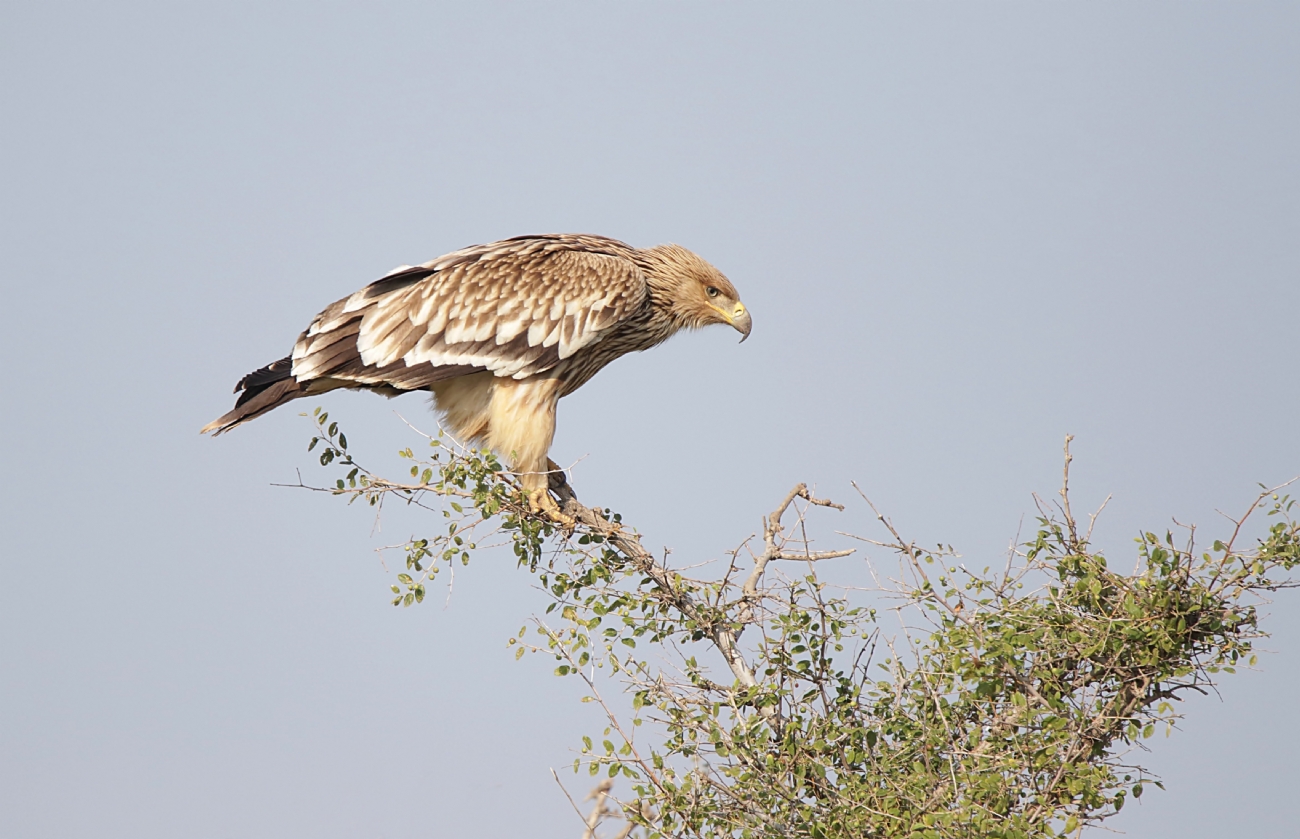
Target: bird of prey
x: 498, y: 333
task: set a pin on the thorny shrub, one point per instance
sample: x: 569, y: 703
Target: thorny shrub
x: 777, y: 706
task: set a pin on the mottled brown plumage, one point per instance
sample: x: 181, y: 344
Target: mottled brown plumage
x: 498, y: 333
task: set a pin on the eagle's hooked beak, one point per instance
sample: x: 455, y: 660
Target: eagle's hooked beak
x: 741, y: 321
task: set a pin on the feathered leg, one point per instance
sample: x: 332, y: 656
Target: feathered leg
x: 521, y: 428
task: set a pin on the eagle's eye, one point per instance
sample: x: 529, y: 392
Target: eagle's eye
x: 711, y: 291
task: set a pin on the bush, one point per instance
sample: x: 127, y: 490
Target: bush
x: 1011, y: 709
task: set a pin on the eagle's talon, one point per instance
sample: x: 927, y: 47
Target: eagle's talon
x: 540, y: 503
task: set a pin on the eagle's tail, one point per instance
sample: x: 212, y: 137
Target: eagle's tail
x: 263, y: 390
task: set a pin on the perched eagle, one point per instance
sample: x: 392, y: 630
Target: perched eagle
x: 499, y: 333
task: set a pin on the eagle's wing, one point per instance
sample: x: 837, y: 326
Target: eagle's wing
x: 515, y: 308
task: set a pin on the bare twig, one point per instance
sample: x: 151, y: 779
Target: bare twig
x: 724, y: 638
x: 1065, y: 492
x: 773, y: 545
x: 600, y: 793
x: 572, y: 803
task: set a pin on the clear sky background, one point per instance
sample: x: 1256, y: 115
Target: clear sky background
x: 963, y: 230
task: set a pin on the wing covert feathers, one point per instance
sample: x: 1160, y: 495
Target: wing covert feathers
x: 516, y: 308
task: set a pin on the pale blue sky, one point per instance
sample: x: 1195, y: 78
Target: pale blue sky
x: 963, y: 230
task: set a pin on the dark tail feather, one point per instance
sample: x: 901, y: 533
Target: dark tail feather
x: 263, y: 390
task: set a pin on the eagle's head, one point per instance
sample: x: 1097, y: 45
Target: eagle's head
x: 692, y: 292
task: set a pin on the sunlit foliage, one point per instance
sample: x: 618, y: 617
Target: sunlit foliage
x: 768, y: 700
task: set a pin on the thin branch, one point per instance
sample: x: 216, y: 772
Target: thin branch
x: 724, y: 638
x: 600, y: 793
x: 572, y: 803
x: 1065, y: 493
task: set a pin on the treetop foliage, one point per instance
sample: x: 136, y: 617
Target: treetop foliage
x: 770, y: 700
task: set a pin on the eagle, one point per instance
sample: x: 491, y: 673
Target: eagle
x: 499, y: 333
